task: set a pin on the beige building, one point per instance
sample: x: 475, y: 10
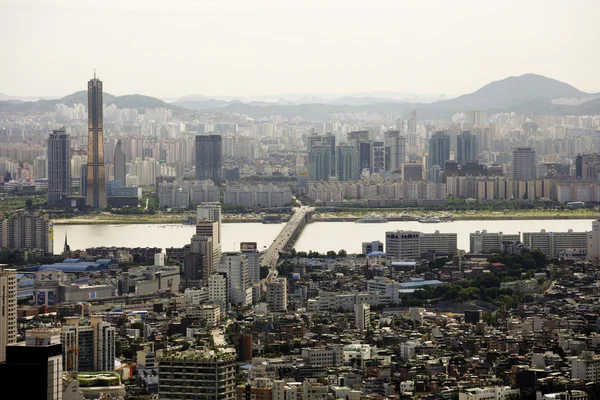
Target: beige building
x: 8, y: 305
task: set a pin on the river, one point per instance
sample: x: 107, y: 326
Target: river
x: 317, y: 236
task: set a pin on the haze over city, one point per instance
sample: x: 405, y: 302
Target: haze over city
x: 277, y: 200
x: 268, y: 47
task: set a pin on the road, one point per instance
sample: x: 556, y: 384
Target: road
x: 272, y: 254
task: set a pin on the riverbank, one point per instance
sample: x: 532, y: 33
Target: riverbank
x: 390, y: 215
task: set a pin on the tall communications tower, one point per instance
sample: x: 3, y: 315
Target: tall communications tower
x: 95, y: 196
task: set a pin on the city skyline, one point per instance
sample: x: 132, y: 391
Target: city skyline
x: 299, y: 47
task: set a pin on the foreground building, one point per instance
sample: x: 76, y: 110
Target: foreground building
x: 197, y: 374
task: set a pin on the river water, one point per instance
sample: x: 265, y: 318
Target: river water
x: 317, y: 236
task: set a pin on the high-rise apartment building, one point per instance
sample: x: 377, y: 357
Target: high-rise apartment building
x: 27, y: 231
x: 587, y: 166
x: 439, y: 149
x: 88, y: 347
x: 523, y: 164
x: 250, y: 250
x: 209, y: 164
x: 362, y: 316
x: 277, y: 294
x: 95, y: 195
x: 485, y: 242
x: 197, y: 374
x: 59, y: 167
x: 411, y: 245
x: 552, y: 243
x: 8, y: 309
x: 466, y: 148
x: 347, y: 163
x: 235, y: 265
x: 210, y: 212
x: 319, y: 162
x: 119, y: 164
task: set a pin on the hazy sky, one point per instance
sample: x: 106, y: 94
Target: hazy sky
x: 259, y: 47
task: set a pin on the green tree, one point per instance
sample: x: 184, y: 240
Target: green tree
x: 342, y: 253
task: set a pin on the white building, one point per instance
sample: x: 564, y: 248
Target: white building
x: 218, y: 290
x: 486, y: 242
x: 211, y: 212
x: 362, y: 316
x: 329, y: 356
x: 552, y: 243
x: 488, y: 393
x: 258, y: 195
x: 411, y: 245
x: 593, y: 241
x: 277, y: 294
x: 586, y: 366
x: 385, y: 285
x: 235, y: 265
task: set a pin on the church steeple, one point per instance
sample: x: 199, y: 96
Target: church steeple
x: 66, y: 247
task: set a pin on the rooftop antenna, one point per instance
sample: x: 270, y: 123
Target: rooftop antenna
x: 94, y: 73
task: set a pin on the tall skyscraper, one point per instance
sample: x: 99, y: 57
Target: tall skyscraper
x: 235, y: 265
x: 365, y: 161
x: 95, y: 196
x: 412, y: 122
x: 523, y: 164
x: 397, y: 144
x: 347, y: 163
x: 8, y: 309
x: 439, y: 149
x: 328, y: 139
x: 209, y: 164
x: 378, y: 156
x: 319, y: 162
x: 211, y: 212
x: 250, y: 250
x: 466, y: 148
x: 59, y: 167
x: 119, y: 164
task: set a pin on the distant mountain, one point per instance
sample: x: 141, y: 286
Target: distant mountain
x: 513, y: 90
x: 528, y: 94
x: 137, y: 101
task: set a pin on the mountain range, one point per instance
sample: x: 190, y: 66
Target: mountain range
x: 528, y: 94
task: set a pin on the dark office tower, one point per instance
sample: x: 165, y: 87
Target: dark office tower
x: 319, y: 162
x: 119, y: 164
x: 365, y: 161
x: 466, y: 148
x: 95, y: 196
x: 347, y: 163
x: 378, y: 153
x: 523, y: 164
x: 439, y: 149
x: 208, y: 158
x: 59, y: 167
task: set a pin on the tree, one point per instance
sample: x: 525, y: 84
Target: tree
x: 342, y: 253
x: 29, y: 204
x: 7, y: 177
x: 331, y: 254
